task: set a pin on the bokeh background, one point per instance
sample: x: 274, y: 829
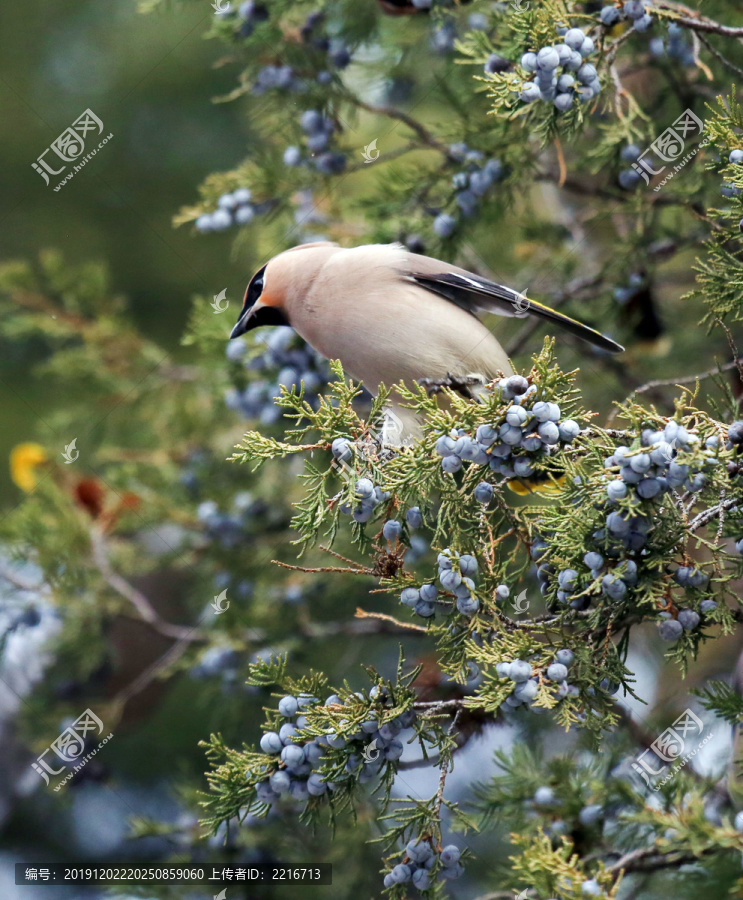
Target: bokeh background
x: 153, y: 81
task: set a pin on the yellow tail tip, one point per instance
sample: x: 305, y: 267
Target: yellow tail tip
x: 526, y: 486
x: 25, y: 460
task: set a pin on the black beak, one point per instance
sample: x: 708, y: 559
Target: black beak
x: 243, y: 324
x: 257, y: 316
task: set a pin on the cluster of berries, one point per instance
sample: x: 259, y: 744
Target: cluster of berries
x: 675, y: 46
x: 338, y: 54
x: 233, y: 208
x: 29, y: 624
x: 730, y: 190
x: 653, y: 469
x: 392, y: 529
x: 282, y: 78
x: 456, y: 575
x: 368, y: 496
x: 512, y: 446
x: 632, y: 10
x: 250, y: 13
x: 526, y: 680
x: 231, y: 528
x: 630, y: 178
x: 669, y: 628
x: 287, y: 361
x: 471, y: 183
x: 318, y: 130
x: 300, y: 761
x: 636, y: 477
x: 561, y: 73
x: 220, y: 661
x: 421, y: 858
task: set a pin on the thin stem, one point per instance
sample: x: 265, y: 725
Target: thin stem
x: 20, y: 582
x: 713, y: 512
x: 413, y: 124
x: 445, y: 765
x: 138, y: 600
x: 383, y: 617
x: 720, y: 57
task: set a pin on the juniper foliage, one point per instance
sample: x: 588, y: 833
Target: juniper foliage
x: 619, y: 527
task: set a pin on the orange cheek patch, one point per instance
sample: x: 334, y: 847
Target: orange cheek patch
x: 267, y: 299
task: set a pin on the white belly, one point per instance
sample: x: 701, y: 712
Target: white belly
x: 419, y: 335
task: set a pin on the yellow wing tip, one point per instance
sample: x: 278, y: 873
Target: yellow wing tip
x: 525, y: 486
x: 608, y: 343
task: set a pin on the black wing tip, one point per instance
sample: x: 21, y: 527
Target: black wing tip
x: 611, y: 345
x: 508, y: 295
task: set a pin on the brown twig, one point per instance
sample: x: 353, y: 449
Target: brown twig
x: 719, y: 56
x: 148, y: 675
x: 681, y: 380
x: 407, y: 626
x: 445, y: 766
x: 413, y: 124
x: 387, y: 157
x: 314, y: 569
x: 650, y: 859
x: 138, y: 600
x: 561, y: 163
x: 438, y: 707
x: 737, y: 361
x: 707, y: 25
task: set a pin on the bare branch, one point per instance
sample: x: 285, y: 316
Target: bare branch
x: 713, y: 512
x: 138, y: 600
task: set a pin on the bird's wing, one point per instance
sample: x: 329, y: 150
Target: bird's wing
x: 472, y: 292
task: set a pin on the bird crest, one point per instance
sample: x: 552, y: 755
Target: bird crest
x: 71, y: 452
x: 222, y: 895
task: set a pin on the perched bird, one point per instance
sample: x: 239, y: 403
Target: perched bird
x: 390, y: 315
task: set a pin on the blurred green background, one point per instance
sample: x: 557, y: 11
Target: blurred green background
x: 151, y: 80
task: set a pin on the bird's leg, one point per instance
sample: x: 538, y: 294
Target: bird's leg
x: 458, y: 383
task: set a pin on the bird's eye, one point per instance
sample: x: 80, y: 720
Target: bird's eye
x: 255, y: 288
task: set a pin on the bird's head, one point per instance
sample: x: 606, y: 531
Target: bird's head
x: 285, y: 279
x: 260, y: 305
